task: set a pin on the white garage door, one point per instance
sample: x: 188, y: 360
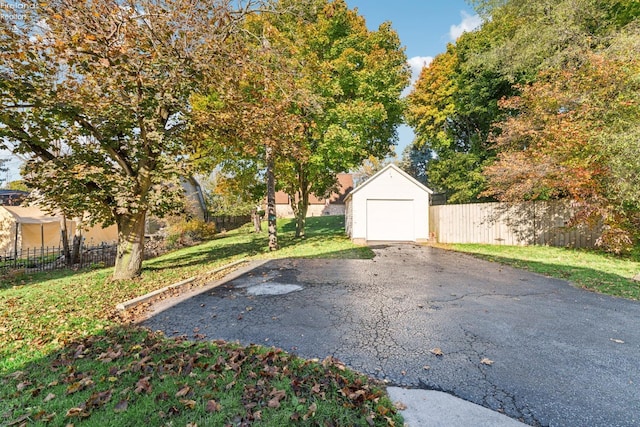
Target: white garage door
x: 390, y: 220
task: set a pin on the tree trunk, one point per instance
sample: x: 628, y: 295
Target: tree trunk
x: 72, y: 255
x: 302, y: 203
x: 271, y: 201
x: 65, y: 242
x: 257, y: 221
x: 301, y: 217
x: 130, y: 251
x: 77, y: 242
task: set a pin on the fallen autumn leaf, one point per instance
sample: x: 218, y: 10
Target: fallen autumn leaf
x: 437, y: 351
x: 213, y: 406
x: 121, y: 406
x: 399, y: 406
x: 191, y: 404
x: 183, y: 391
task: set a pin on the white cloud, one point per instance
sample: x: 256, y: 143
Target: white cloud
x: 417, y: 63
x: 469, y: 23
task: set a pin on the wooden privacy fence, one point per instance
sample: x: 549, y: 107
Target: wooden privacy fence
x: 527, y: 223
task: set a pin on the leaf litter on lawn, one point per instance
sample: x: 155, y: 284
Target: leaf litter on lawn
x: 129, y: 375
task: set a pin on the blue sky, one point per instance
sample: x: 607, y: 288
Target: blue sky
x: 424, y: 26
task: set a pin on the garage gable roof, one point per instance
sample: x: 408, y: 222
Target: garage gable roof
x: 402, y: 173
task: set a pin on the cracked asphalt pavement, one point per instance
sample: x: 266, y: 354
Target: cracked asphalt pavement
x: 561, y: 356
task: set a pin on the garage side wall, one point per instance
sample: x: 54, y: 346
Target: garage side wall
x: 391, y: 185
x: 348, y: 218
x: 7, y: 232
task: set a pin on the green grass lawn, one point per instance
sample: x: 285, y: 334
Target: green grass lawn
x: 589, y: 269
x: 67, y: 357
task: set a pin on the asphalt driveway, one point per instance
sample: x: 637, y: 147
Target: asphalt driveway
x: 561, y: 356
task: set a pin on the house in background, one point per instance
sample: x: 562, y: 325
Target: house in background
x: 28, y: 227
x: 196, y: 205
x: 25, y: 228
x: 12, y: 197
x: 333, y: 205
x: 389, y: 206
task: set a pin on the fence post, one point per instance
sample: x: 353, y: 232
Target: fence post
x: 82, y: 250
x: 15, y: 243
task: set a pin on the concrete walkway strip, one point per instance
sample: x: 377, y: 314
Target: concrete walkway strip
x: 144, y: 298
x: 428, y: 408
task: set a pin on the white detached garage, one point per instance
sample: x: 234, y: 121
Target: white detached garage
x: 389, y: 206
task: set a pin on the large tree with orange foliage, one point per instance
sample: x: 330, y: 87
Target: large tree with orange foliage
x: 98, y: 92
x: 575, y: 135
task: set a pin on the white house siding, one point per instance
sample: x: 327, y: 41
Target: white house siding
x: 348, y: 217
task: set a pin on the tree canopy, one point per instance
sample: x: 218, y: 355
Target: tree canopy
x: 548, y: 92
x: 3, y: 170
x: 352, y: 78
x: 98, y: 94
x: 327, y: 90
x: 415, y: 162
x: 453, y: 109
x: 573, y: 129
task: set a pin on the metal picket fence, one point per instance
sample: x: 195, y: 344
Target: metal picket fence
x: 53, y: 258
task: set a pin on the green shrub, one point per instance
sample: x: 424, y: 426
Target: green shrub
x: 188, y: 232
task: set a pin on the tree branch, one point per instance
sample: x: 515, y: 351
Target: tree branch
x: 115, y: 154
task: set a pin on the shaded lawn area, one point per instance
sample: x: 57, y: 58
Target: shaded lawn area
x: 589, y: 269
x: 67, y: 357
x: 40, y: 312
x: 325, y: 239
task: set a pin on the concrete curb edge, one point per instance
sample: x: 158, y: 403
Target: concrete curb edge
x: 123, y: 306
